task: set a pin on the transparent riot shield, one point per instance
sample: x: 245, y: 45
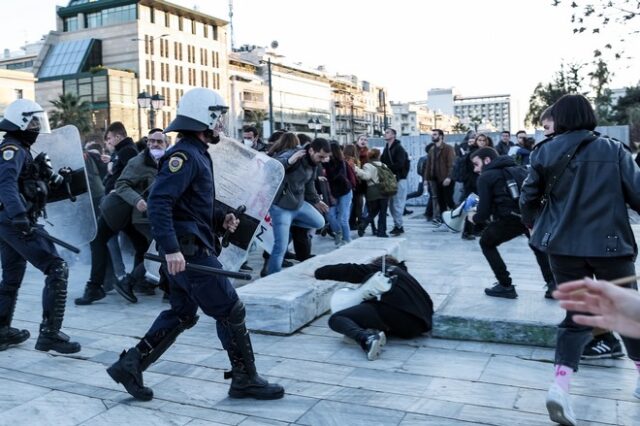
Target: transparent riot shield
x: 71, y: 221
x: 243, y: 177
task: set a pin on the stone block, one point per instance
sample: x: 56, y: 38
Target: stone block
x: 285, y: 302
x: 468, y: 314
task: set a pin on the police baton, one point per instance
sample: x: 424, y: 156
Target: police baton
x: 55, y: 240
x: 202, y: 268
x: 227, y: 234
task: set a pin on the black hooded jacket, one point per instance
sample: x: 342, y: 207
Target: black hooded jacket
x: 586, y: 213
x: 124, y: 151
x: 406, y: 294
x: 492, y: 191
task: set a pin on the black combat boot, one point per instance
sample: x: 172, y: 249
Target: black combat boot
x: 128, y: 372
x: 92, y: 292
x: 245, y: 381
x: 124, y: 287
x: 10, y: 335
x: 54, y: 300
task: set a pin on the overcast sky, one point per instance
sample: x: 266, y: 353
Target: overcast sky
x: 479, y: 46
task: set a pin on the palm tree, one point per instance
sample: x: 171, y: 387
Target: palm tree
x: 71, y: 110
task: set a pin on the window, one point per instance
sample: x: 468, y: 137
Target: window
x: 180, y: 23
x: 71, y: 24
x: 205, y: 29
x: 152, y: 15
x: 114, y: 15
x: 146, y: 44
x: 214, y: 32
x: 193, y: 27
x: 167, y: 19
x: 18, y: 93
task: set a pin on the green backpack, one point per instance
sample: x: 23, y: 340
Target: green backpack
x: 387, y: 181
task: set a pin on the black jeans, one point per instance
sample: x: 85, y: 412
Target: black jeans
x: 572, y: 338
x: 418, y: 192
x: 378, y: 208
x: 443, y: 196
x: 353, y: 321
x: 500, y: 231
x: 100, y: 252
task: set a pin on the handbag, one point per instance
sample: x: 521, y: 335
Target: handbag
x: 115, y: 211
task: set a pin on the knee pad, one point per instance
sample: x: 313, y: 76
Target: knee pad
x: 58, y: 270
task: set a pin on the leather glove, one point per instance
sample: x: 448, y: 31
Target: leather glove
x: 22, y: 224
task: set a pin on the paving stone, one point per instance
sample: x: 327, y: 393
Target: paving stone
x: 288, y: 409
x: 122, y: 414
x: 468, y: 314
x: 329, y: 413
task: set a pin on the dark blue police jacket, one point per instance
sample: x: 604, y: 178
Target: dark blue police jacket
x: 181, y: 201
x: 13, y: 158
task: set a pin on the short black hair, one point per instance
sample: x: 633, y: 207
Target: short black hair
x: 439, y: 131
x: 573, y: 112
x: 155, y: 129
x: 117, y: 128
x: 521, y: 131
x: 249, y: 128
x: 546, y: 114
x: 486, y: 152
x: 506, y: 132
x: 392, y: 130
x: 320, y: 144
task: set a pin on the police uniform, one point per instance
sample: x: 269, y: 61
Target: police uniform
x: 182, y: 216
x: 24, y: 189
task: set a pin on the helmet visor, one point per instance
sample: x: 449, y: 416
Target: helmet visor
x: 37, y: 121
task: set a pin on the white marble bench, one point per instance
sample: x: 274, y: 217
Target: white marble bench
x: 284, y: 302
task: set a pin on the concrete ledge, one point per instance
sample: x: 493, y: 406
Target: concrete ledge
x: 283, y: 303
x: 468, y: 314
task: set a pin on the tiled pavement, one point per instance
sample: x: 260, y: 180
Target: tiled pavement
x: 424, y: 381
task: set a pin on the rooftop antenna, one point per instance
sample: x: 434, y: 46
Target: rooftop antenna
x: 231, y: 24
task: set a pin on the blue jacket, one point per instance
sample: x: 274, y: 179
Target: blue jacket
x: 14, y: 160
x: 181, y: 200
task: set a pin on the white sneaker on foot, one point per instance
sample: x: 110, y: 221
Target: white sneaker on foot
x: 559, y: 406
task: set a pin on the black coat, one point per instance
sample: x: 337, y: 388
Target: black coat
x: 397, y: 159
x: 493, y: 193
x: 124, y: 151
x: 406, y: 295
x: 586, y: 214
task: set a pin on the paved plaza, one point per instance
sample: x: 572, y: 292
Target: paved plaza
x: 425, y: 381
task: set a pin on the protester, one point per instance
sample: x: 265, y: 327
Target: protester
x: 376, y: 201
x: 404, y: 311
x: 341, y: 184
x: 397, y: 159
x: 587, y: 181
x: 437, y: 173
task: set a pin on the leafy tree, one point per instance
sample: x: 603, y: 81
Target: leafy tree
x: 71, y: 110
x: 459, y: 128
x: 256, y: 118
x: 626, y: 103
x: 544, y: 95
x: 600, y: 78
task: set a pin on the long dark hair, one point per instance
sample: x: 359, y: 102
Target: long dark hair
x: 286, y: 142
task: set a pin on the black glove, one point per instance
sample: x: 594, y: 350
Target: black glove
x: 22, y: 224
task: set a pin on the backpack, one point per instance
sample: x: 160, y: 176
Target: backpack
x: 421, y: 163
x: 517, y: 173
x: 386, y: 181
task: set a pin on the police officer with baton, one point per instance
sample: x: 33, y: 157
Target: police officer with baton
x: 181, y: 211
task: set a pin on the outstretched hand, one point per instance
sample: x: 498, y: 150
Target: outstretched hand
x: 611, y: 307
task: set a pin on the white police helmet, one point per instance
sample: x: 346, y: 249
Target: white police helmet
x: 25, y: 115
x: 199, y: 109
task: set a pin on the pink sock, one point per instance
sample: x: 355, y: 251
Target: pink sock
x: 563, y: 376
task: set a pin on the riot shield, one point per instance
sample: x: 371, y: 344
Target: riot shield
x: 71, y: 221
x: 246, y: 177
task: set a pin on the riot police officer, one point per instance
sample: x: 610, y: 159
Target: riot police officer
x: 183, y: 216
x: 25, y: 186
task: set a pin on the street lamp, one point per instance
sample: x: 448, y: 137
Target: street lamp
x: 314, y: 124
x: 154, y: 103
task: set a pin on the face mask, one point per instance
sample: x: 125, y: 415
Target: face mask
x: 26, y: 136
x: 156, y: 153
x: 248, y: 142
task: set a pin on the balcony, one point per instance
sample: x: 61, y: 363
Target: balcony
x: 253, y: 104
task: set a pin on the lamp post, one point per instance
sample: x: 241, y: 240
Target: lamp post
x: 154, y: 103
x: 314, y: 124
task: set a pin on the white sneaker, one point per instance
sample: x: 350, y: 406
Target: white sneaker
x: 559, y: 406
x: 637, y: 392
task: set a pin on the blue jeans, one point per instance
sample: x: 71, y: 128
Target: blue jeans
x: 339, y: 215
x: 306, y: 216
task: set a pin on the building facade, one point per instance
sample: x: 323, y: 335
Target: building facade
x: 109, y: 51
x: 15, y: 85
